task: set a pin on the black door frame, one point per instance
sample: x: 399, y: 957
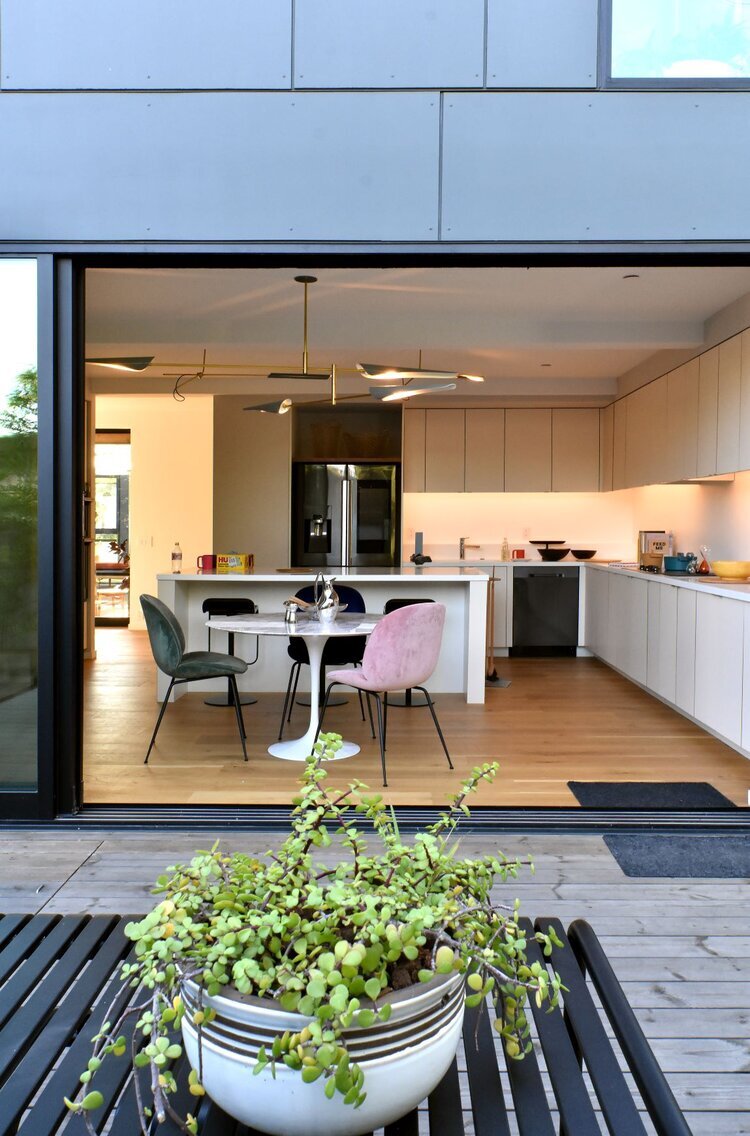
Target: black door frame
x: 61, y: 282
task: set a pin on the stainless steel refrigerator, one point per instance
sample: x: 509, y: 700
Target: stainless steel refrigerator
x: 345, y: 516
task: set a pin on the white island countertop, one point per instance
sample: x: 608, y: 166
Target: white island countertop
x: 436, y: 572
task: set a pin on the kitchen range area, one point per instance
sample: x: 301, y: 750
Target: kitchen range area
x: 566, y: 669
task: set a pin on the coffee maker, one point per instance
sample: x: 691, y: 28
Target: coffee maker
x: 653, y: 546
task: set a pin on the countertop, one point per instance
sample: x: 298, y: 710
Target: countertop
x: 713, y: 585
x: 440, y: 573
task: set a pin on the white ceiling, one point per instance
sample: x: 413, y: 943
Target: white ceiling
x: 591, y: 324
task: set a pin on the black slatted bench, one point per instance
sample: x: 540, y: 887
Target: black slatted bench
x: 54, y: 969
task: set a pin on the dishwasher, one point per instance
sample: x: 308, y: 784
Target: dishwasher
x: 545, y: 609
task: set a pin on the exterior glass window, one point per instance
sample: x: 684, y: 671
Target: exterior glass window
x: 673, y: 40
x: 18, y: 525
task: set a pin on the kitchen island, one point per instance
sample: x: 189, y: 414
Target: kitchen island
x: 460, y: 668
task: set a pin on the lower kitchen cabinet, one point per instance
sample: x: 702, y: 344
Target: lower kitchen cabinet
x: 684, y: 696
x: 661, y: 673
x: 719, y: 658
x: 628, y: 626
x: 500, y: 583
x: 596, y: 600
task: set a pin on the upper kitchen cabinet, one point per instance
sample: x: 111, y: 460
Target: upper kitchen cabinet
x: 646, y: 434
x: 575, y: 451
x: 708, y: 409
x: 413, y: 462
x: 485, y: 451
x: 728, y: 408
x: 528, y: 451
x: 744, y: 457
x: 606, y: 442
x: 445, y: 442
x: 619, y: 442
x: 682, y: 422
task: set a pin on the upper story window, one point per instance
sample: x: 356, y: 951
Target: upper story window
x: 675, y: 43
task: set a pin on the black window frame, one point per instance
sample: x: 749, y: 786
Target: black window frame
x: 610, y: 82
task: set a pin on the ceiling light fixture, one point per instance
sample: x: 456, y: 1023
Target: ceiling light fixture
x: 421, y: 386
x: 306, y: 281
x: 125, y: 362
x: 281, y: 407
x: 380, y: 372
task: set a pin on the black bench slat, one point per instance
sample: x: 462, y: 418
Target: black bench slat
x: 10, y: 925
x: 485, y: 1087
x: 529, y: 1097
x: 615, y: 1099
x: 71, y: 1025
x: 657, y: 1096
x: 20, y: 1023
x: 444, y: 1106
x: 407, y: 1126
x: 577, y: 1116
x: 22, y: 945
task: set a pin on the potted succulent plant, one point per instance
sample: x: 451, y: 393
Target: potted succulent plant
x: 322, y: 996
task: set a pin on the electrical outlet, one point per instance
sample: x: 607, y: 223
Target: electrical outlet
x: 525, y: 533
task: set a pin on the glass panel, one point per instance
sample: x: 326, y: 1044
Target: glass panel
x: 18, y: 526
x: 680, y: 39
x: 112, y: 531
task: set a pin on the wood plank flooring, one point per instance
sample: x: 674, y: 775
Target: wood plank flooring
x: 681, y: 948
x: 559, y: 720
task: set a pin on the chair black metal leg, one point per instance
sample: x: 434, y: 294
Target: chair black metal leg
x: 238, y: 710
x: 385, y: 720
x: 323, y: 709
x: 286, y: 701
x: 294, y: 691
x: 369, y: 711
x: 158, y: 723
x: 361, y: 705
x: 379, y: 708
x: 437, y: 724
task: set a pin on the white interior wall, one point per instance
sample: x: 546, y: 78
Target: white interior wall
x: 171, y: 481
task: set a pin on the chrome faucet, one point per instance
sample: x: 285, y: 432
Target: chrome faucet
x: 462, y: 546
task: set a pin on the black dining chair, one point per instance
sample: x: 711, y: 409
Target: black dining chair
x: 229, y: 606
x: 168, y: 647
x: 336, y: 653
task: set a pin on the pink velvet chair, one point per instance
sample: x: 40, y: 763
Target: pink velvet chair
x: 401, y: 653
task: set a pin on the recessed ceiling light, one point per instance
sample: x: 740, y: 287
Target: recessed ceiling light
x: 632, y: 276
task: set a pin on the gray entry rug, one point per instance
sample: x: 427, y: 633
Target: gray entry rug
x: 648, y: 795
x: 682, y: 856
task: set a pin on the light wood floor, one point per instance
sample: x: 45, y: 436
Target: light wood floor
x: 559, y: 720
x: 679, y: 947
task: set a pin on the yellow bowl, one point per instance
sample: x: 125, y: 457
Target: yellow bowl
x: 731, y: 569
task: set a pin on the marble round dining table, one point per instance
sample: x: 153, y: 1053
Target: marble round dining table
x: 316, y: 634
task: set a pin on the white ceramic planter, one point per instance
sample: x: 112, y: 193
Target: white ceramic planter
x: 402, y: 1059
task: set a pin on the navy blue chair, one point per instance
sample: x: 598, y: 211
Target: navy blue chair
x: 338, y: 652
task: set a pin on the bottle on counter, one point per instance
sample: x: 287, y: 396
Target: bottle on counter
x: 176, y: 559
x: 505, y: 549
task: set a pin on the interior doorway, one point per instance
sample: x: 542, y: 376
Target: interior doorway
x: 112, y: 528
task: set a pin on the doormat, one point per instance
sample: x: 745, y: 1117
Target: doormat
x: 682, y: 856
x: 648, y: 795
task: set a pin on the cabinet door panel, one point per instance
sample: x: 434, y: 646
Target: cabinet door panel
x: 708, y: 409
x: 619, y: 440
x: 606, y: 440
x: 743, y: 461
x: 528, y: 451
x: 682, y: 422
x: 728, y: 416
x: 664, y: 680
x: 685, y: 676
x: 485, y: 451
x: 444, y: 451
x: 500, y: 622
x: 412, y: 469
x: 575, y: 451
x: 718, y: 664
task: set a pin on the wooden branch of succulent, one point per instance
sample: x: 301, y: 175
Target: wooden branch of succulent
x: 322, y: 957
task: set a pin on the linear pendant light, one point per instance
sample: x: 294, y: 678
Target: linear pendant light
x: 124, y: 362
x: 406, y: 390
x: 306, y: 281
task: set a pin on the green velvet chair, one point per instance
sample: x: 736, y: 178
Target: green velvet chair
x: 168, y: 646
